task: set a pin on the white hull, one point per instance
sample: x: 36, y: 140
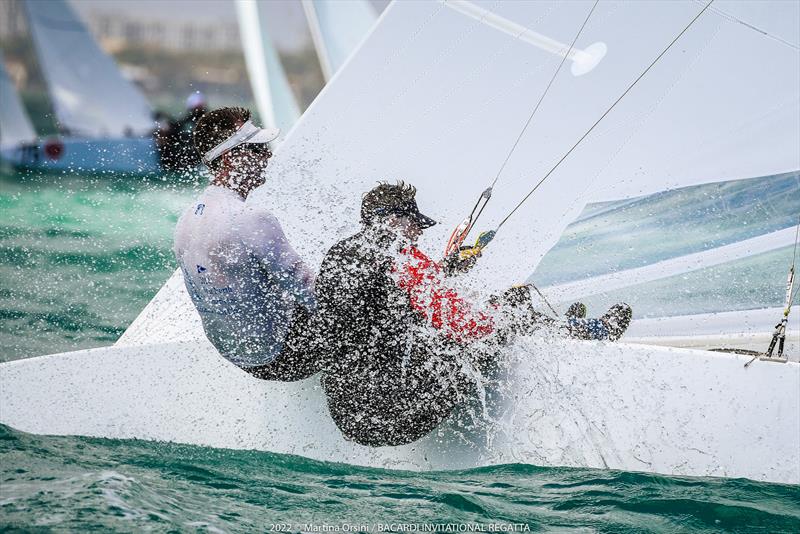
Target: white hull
x: 582, y: 404
x: 128, y: 155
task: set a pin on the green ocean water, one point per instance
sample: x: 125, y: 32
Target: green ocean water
x: 79, y: 259
x: 74, y: 483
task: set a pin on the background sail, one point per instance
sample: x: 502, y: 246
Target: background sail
x: 15, y: 125
x: 437, y: 98
x: 274, y: 98
x: 89, y: 95
x: 337, y: 28
x: 707, y: 248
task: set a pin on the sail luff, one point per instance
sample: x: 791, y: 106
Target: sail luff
x: 15, y: 125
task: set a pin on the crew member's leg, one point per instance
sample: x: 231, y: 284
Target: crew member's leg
x: 301, y: 356
x: 521, y: 318
x: 609, y: 327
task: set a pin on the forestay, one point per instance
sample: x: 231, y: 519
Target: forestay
x: 15, y: 126
x: 436, y: 98
x: 89, y: 94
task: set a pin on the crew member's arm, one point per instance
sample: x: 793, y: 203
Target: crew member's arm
x: 442, y: 306
x: 300, y: 357
x: 281, y: 261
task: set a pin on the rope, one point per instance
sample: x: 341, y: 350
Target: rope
x: 528, y: 123
x: 591, y: 128
x: 544, y: 299
x: 747, y: 25
x: 633, y: 126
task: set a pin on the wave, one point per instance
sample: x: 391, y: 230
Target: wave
x: 77, y: 483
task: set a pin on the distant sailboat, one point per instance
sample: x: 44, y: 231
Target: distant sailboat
x: 104, y: 121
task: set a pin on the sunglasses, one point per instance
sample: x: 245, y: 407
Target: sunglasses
x: 259, y: 149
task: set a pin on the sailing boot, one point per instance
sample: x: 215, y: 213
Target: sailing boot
x: 519, y: 313
x: 616, y: 320
x: 576, y: 310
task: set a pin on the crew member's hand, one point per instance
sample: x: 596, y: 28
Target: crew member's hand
x: 461, y: 261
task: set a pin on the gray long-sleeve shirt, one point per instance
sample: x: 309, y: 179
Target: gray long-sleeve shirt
x: 242, y: 275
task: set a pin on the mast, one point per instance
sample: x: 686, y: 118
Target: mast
x: 275, y: 101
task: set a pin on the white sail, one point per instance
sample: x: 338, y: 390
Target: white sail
x: 274, y: 98
x: 437, y: 98
x: 570, y: 291
x: 15, y: 125
x: 90, y: 97
x: 337, y: 27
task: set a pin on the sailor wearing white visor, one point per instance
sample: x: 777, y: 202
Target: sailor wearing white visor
x: 254, y: 294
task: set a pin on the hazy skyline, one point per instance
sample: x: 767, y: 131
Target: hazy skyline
x: 289, y: 32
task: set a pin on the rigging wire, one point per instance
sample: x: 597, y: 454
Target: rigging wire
x: 487, y: 193
x: 546, y: 90
x: 591, y: 128
x: 794, y: 262
x: 796, y: 237
x: 731, y: 18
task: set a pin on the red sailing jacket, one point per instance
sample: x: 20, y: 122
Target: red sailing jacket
x: 442, y: 307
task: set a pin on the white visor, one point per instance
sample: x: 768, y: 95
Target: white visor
x: 247, y: 133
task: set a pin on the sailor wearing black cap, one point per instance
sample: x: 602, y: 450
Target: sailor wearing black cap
x: 402, y: 347
x: 388, y: 379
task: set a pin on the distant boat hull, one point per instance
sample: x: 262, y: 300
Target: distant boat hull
x: 134, y: 155
x: 581, y: 404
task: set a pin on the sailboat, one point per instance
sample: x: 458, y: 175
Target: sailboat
x: 105, y: 121
x: 439, y: 94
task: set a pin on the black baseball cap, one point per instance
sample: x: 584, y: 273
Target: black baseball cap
x: 410, y: 210
x: 389, y: 199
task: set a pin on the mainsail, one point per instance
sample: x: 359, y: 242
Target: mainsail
x: 337, y: 28
x: 15, y: 125
x: 436, y: 98
x: 274, y: 99
x: 89, y: 94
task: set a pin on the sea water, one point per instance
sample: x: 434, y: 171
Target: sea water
x: 81, y: 256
